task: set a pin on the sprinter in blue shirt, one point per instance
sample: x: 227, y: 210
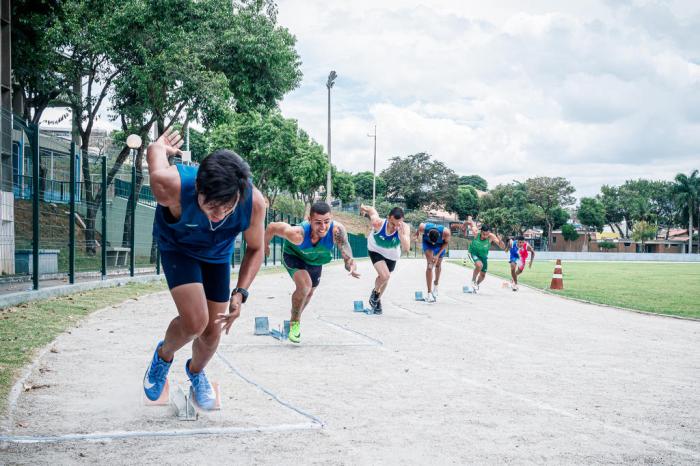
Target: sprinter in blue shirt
x: 200, y: 212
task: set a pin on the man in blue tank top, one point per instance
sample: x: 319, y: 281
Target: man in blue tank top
x: 200, y: 212
x: 436, y: 240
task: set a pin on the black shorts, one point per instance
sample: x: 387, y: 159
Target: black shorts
x: 181, y: 269
x: 293, y: 263
x: 376, y: 257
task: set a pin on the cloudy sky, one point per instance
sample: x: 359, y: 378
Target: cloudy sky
x: 596, y: 91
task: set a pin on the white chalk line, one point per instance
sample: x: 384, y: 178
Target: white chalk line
x: 126, y: 434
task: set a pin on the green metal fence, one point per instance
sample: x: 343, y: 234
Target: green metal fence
x: 66, y: 219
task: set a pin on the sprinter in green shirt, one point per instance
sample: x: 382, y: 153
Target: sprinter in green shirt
x: 307, y: 247
x: 479, y: 249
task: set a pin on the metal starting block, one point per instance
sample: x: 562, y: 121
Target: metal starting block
x: 419, y: 296
x: 164, y: 399
x: 467, y: 289
x: 183, y: 404
x: 262, y: 327
x: 505, y: 285
x: 359, y: 306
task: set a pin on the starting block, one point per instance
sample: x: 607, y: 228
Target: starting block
x: 505, y: 285
x: 183, y: 404
x: 419, y: 296
x: 467, y: 289
x: 262, y: 327
x: 359, y: 306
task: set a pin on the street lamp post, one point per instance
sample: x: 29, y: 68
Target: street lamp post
x: 329, y: 84
x: 374, y: 167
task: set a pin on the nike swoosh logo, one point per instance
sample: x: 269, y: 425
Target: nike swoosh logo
x: 191, y: 226
x: 146, y: 384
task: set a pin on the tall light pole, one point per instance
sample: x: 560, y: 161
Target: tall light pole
x: 374, y: 166
x: 329, y: 84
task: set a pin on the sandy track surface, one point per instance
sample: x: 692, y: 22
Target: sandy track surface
x: 490, y: 378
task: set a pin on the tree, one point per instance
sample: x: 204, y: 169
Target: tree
x: 343, y: 185
x: 591, y: 214
x: 686, y: 192
x: 474, y: 180
x: 306, y: 171
x: 643, y: 231
x: 420, y: 182
x: 35, y: 63
x: 199, y: 145
x: 550, y: 194
x: 465, y: 203
x: 569, y: 232
x: 501, y: 220
x: 363, y: 185
x: 610, y: 198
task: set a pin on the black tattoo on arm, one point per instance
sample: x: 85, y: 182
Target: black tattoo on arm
x: 340, y: 236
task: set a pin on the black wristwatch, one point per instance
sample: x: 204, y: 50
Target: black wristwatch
x: 243, y: 293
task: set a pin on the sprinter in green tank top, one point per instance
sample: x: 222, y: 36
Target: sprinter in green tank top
x: 307, y: 247
x: 479, y: 249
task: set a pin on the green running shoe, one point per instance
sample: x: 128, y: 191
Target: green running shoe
x: 294, y: 332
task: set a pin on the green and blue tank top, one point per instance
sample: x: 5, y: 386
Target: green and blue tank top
x: 382, y: 243
x: 313, y: 254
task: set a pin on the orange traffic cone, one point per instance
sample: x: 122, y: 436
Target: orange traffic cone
x: 557, y: 278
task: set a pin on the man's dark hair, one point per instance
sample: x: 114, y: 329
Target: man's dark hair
x: 320, y: 208
x: 397, y: 213
x: 222, y: 177
x: 520, y: 238
x: 485, y: 227
x: 433, y: 235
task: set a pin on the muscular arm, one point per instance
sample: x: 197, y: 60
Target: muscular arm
x: 405, y: 237
x: 374, y: 218
x: 284, y: 230
x: 420, y: 230
x: 496, y: 240
x: 446, y: 235
x: 532, y: 253
x: 164, y: 178
x: 340, y: 237
x: 253, y: 257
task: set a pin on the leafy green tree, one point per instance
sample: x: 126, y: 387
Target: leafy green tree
x: 465, y: 203
x: 591, y: 214
x: 474, y: 180
x: 551, y: 195
x: 501, y: 219
x: 199, y: 145
x: 569, y: 232
x: 610, y: 198
x: 363, y: 185
x: 643, y: 231
x: 306, y: 171
x: 686, y: 192
x: 35, y: 63
x: 419, y: 181
x: 343, y: 185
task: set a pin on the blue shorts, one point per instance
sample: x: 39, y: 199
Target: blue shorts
x: 429, y: 247
x: 181, y: 269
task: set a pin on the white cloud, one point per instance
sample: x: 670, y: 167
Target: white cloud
x: 598, y: 91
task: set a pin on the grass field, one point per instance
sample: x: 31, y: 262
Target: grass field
x: 663, y: 288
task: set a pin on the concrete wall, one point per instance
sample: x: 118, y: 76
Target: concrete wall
x: 591, y: 256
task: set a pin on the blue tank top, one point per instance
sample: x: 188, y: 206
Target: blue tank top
x: 192, y: 233
x: 432, y: 226
x: 514, y: 254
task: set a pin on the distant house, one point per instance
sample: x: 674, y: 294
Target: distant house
x: 676, y: 243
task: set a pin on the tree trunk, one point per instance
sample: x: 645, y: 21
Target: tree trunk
x: 549, y: 236
x: 690, y: 231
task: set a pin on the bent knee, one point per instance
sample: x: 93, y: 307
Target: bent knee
x: 195, y: 325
